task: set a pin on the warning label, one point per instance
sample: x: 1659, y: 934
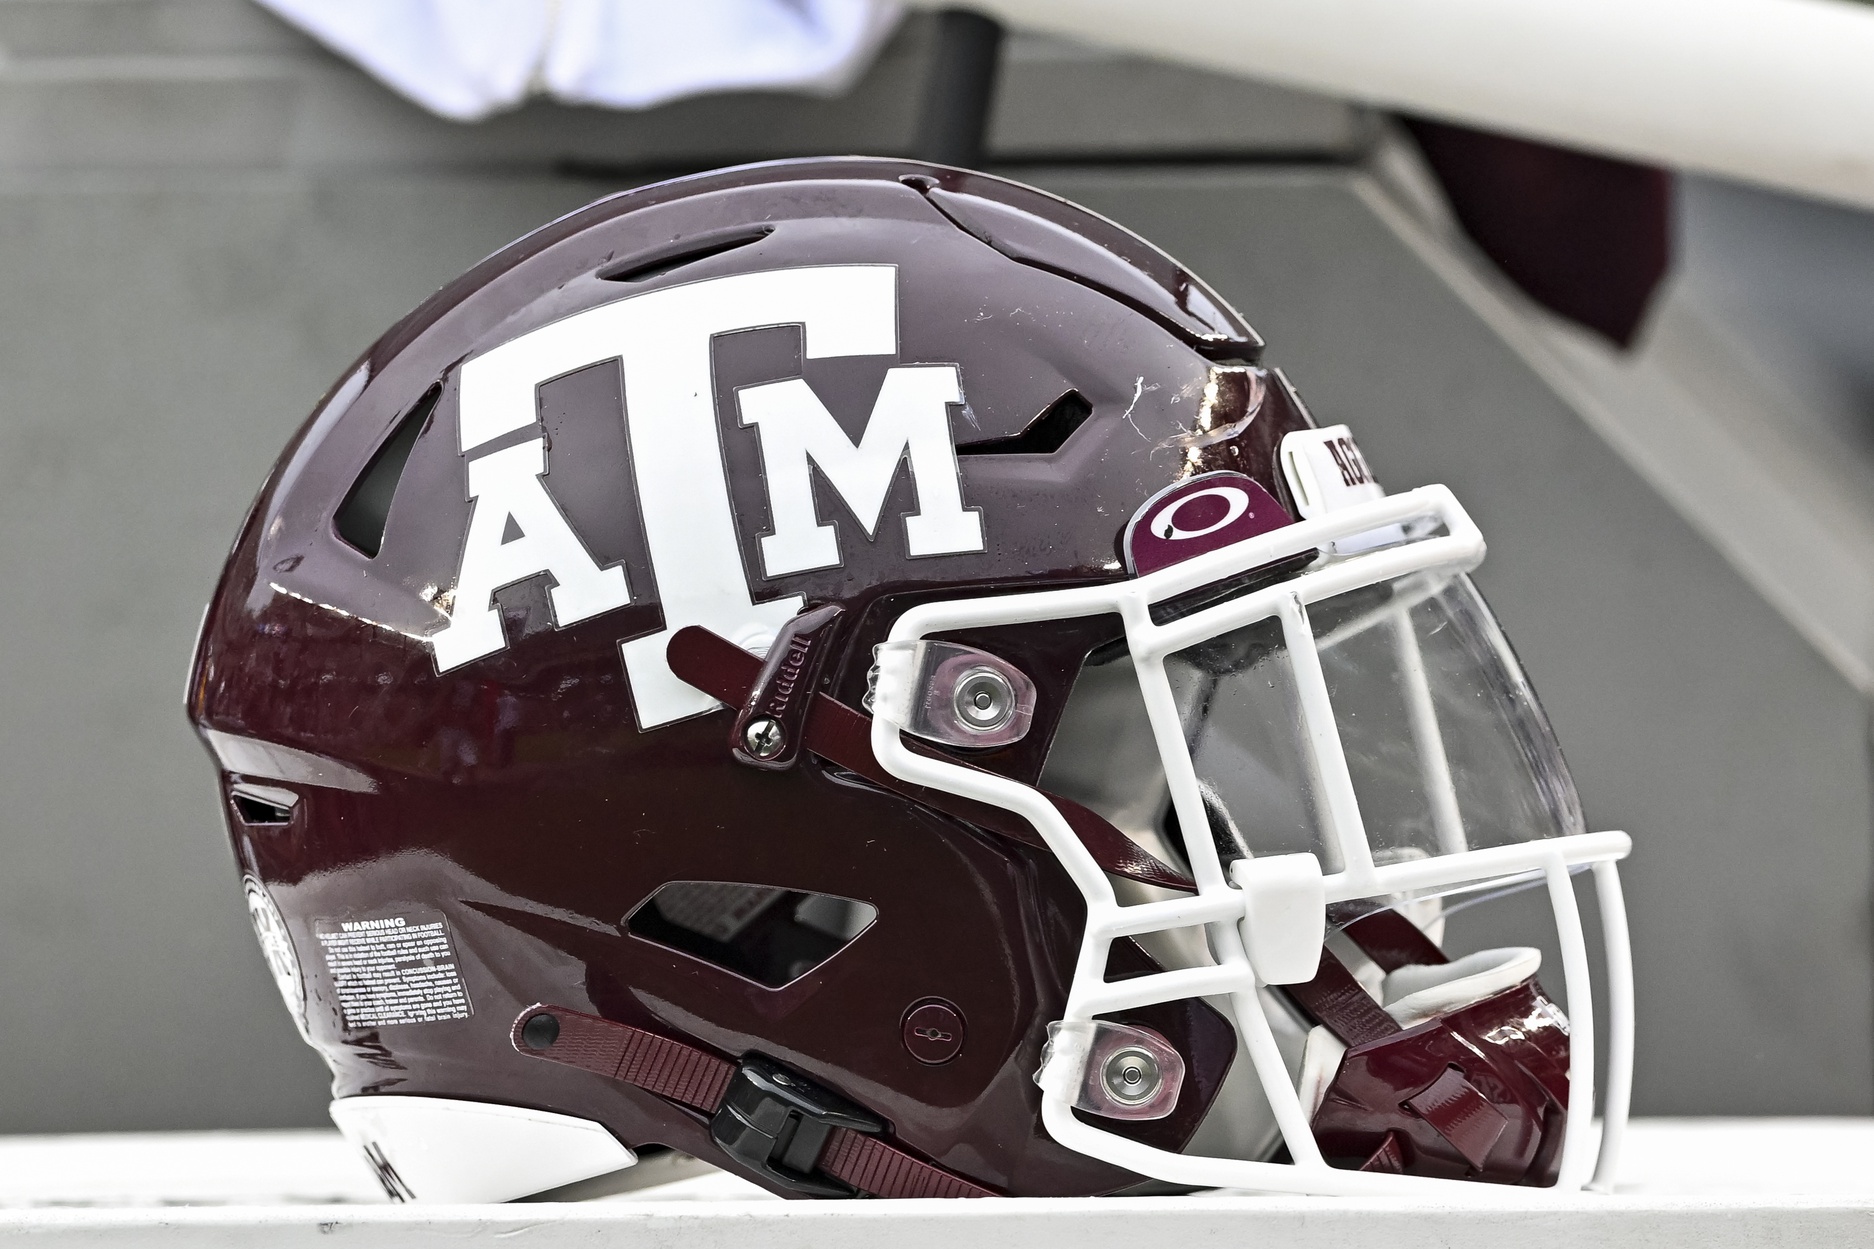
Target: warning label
x: 392, y: 970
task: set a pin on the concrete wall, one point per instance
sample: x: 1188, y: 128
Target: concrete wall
x: 203, y: 219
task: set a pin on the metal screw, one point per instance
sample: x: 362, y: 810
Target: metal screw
x: 764, y: 738
x: 984, y: 700
x: 1132, y: 1076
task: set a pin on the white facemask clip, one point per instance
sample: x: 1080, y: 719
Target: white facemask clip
x: 1284, y: 920
x: 1114, y: 1070
x: 950, y: 694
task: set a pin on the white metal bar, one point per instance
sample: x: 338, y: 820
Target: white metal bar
x: 1618, y: 959
x: 1350, y: 572
x: 1225, y: 936
x: 1160, y: 986
x: 1340, y: 806
x: 1174, y: 755
x: 1578, y: 1145
x: 1222, y: 906
x: 1461, y: 545
x: 1485, y: 863
x: 1291, y: 1118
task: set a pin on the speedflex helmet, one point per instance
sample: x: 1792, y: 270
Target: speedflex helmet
x: 852, y: 670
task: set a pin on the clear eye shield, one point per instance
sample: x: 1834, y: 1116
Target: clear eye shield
x: 1319, y: 749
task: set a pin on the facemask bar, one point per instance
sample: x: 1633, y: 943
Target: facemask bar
x: 1219, y: 906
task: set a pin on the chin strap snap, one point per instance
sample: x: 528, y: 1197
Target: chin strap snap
x: 776, y: 1122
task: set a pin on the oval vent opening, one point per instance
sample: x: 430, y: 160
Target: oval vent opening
x: 772, y: 936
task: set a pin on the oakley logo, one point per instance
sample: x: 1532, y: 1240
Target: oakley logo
x: 1207, y: 512
x: 661, y: 340
x: 933, y: 1034
x: 1225, y: 503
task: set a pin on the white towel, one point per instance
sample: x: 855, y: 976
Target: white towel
x: 466, y: 59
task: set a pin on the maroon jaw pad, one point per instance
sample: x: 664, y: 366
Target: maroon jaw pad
x: 1466, y: 1119
x: 1480, y: 1093
x: 1202, y: 514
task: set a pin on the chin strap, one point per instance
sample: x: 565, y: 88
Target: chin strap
x: 1393, y: 941
x: 774, y: 1121
x: 837, y: 733
x: 1339, y: 1002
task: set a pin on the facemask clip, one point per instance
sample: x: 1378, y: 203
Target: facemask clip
x: 950, y: 694
x: 1114, y: 1070
x: 1284, y: 915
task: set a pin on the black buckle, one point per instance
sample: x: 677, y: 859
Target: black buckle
x: 775, y: 1123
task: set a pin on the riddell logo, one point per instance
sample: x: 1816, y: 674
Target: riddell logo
x: 780, y: 691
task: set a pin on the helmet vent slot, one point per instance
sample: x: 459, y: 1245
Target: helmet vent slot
x: 644, y: 266
x: 770, y: 935
x: 1044, y: 435
x: 263, y: 805
x: 361, y: 518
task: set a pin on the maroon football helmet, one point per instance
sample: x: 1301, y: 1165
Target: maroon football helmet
x: 853, y: 671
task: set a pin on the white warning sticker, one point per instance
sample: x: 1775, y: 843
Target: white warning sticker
x: 393, y: 969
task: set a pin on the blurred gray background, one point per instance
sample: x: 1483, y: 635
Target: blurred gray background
x: 204, y: 217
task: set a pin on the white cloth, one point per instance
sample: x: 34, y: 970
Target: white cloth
x: 466, y: 59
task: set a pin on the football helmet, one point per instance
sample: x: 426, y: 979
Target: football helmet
x: 854, y: 671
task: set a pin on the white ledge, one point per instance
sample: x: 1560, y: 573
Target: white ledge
x: 1709, y: 1183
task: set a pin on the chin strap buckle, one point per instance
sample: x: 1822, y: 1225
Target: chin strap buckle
x: 785, y: 1128
x: 776, y: 1122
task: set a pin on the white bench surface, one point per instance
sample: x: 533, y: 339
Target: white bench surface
x: 1702, y: 1183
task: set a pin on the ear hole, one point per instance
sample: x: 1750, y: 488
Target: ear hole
x: 263, y: 805
x: 361, y: 518
x: 1044, y: 435
x: 772, y: 936
x: 647, y: 265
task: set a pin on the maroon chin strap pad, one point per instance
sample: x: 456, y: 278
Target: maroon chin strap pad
x: 1479, y: 1093
x: 836, y: 732
x: 700, y: 1080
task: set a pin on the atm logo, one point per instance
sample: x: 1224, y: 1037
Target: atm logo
x: 661, y: 340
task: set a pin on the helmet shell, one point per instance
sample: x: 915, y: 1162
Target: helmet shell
x: 515, y: 799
